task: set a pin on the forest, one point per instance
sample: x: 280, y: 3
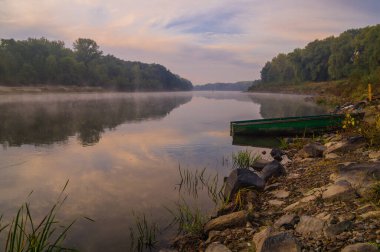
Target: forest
x: 353, y: 55
x: 42, y: 62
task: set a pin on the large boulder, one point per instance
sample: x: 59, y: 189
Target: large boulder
x: 217, y: 247
x: 277, y: 154
x: 310, y: 226
x: 359, y: 175
x: 220, y: 223
x: 341, y: 189
x: 333, y: 230
x: 312, y: 150
x: 268, y: 241
x: 242, y: 178
x: 273, y: 169
x: 287, y: 221
x: 360, y: 247
x: 259, y: 164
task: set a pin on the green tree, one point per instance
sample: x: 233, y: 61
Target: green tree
x: 86, y: 50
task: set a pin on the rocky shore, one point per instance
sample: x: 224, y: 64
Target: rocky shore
x: 319, y: 194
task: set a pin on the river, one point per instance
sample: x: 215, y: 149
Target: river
x: 120, y: 153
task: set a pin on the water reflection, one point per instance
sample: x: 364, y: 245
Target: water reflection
x: 37, y: 121
x: 141, y: 139
x: 284, y: 105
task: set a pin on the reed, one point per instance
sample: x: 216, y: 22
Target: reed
x: 243, y: 159
x: 25, y: 234
x: 144, y: 235
x: 190, y: 220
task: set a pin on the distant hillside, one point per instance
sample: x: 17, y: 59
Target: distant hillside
x: 353, y: 56
x: 238, y: 86
x: 42, y: 62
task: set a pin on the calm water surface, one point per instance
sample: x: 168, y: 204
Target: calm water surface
x: 121, y: 152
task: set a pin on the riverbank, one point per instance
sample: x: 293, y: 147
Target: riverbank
x: 49, y: 89
x: 324, y: 197
x: 329, y: 93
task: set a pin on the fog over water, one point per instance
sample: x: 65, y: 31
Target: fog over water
x: 121, y: 152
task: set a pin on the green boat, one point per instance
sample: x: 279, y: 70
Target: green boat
x: 303, y: 125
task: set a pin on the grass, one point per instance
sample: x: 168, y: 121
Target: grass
x: 189, y: 220
x: 243, y: 159
x: 25, y: 234
x: 144, y: 235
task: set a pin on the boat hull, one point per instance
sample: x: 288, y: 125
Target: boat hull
x: 290, y: 125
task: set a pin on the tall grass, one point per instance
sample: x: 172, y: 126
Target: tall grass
x: 25, y: 234
x: 190, y: 220
x: 244, y: 159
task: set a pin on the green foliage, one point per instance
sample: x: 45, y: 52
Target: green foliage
x: 40, y: 61
x: 374, y: 193
x: 354, y: 54
x: 190, y: 220
x: 284, y: 143
x: 371, y: 131
x: 24, y: 234
x: 243, y: 159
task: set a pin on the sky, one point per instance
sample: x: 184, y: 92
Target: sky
x: 201, y: 40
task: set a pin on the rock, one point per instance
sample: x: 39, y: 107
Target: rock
x: 211, y: 235
x: 168, y: 250
x: 360, y: 247
x: 292, y: 206
x: 331, y: 156
x: 365, y: 208
x: 287, y: 221
x: 371, y: 214
x: 339, y: 190
x: 374, y: 155
x: 345, y: 145
x: 313, y: 150
x: 276, y: 202
x: 242, y: 178
x: 260, y: 237
x: 273, y: 169
x: 265, y: 241
x: 308, y: 199
x: 310, y: 226
x: 359, y: 175
x: 282, y: 242
x: 333, y: 230
x: 220, y: 223
x: 280, y: 194
x: 259, y: 164
x: 294, y: 175
x: 217, y: 247
x: 277, y: 154
x: 272, y: 186
x: 323, y: 216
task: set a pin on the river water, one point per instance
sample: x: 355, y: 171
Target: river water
x: 120, y: 153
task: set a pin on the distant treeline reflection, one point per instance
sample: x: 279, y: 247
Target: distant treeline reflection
x: 48, y: 122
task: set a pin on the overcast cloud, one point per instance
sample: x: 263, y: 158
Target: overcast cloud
x: 201, y: 40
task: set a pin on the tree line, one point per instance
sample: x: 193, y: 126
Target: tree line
x: 354, y: 54
x: 40, y: 61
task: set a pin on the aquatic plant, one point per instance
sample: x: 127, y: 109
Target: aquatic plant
x: 244, y: 159
x: 190, y: 220
x: 193, y: 181
x: 144, y: 235
x: 24, y: 234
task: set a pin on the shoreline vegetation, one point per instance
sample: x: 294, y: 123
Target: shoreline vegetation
x: 336, y: 69
x: 42, y: 62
